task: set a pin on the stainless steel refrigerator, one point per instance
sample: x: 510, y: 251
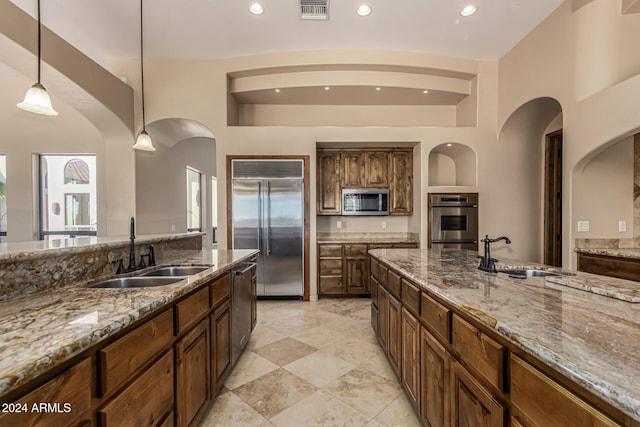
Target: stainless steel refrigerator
x: 268, y: 214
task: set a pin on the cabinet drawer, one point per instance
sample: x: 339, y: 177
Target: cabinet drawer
x: 131, y: 352
x: 330, y: 285
x: 411, y: 297
x: 436, y: 316
x: 150, y: 397
x: 330, y: 250
x: 394, y: 284
x: 72, y: 387
x: 189, y: 310
x: 479, y: 351
x: 330, y: 267
x: 373, y: 266
x: 220, y: 289
x: 546, y: 403
x: 357, y: 250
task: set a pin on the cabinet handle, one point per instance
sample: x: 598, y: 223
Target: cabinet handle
x: 478, y: 334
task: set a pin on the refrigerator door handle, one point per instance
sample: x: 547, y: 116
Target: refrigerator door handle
x: 259, y: 216
x: 268, y: 250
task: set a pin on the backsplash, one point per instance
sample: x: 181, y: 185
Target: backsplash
x: 27, y: 271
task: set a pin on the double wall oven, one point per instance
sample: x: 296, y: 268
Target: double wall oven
x: 453, y: 220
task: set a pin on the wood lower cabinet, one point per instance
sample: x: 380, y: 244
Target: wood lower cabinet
x: 538, y: 400
x: 146, y: 401
x: 410, y: 362
x: 472, y: 404
x: 383, y: 318
x: 220, y: 345
x: 394, y: 343
x: 192, y: 373
x: 623, y: 268
x: 66, y: 396
x: 435, y: 381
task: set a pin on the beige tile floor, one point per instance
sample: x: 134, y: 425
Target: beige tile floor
x: 312, y: 364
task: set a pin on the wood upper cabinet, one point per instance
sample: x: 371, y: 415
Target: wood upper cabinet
x: 353, y: 169
x: 435, y: 386
x: 411, y: 356
x: 328, y: 183
x: 192, y: 373
x: 537, y: 400
x: 376, y: 169
x: 472, y: 404
x: 401, y: 183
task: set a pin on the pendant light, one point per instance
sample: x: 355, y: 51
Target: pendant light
x: 37, y: 99
x: 143, y: 142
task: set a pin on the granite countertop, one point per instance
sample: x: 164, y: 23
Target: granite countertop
x: 367, y: 238
x: 42, y: 329
x: 592, y: 339
x: 615, y: 252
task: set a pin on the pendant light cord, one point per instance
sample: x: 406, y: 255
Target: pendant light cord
x: 39, y: 41
x: 141, y: 66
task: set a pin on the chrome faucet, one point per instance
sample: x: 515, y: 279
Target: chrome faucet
x: 486, y: 262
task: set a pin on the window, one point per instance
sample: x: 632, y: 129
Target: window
x: 194, y: 207
x: 67, y: 196
x: 3, y: 198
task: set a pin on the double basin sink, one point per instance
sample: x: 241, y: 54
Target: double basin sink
x: 526, y: 272
x: 159, y: 277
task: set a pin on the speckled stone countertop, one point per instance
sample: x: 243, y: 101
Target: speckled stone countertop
x: 42, y: 329
x: 594, y: 340
x: 372, y: 238
x: 615, y: 252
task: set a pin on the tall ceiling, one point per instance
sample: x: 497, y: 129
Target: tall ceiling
x: 225, y: 28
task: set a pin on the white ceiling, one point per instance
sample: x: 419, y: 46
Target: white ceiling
x: 225, y: 28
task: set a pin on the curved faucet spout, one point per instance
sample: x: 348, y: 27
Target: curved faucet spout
x: 486, y: 262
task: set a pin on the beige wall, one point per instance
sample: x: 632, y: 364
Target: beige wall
x: 586, y: 60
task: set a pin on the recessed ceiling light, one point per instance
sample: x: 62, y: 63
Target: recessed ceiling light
x: 425, y: 91
x: 468, y: 10
x: 256, y: 9
x: 449, y: 145
x: 326, y: 88
x: 364, y: 10
x: 277, y: 90
x: 377, y: 88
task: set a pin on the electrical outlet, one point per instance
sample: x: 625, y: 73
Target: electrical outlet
x: 383, y: 224
x: 622, y: 226
x: 339, y: 225
x: 583, y: 225
x: 173, y: 227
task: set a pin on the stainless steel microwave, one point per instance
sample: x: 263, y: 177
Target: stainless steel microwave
x: 365, y: 202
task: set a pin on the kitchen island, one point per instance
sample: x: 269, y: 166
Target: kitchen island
x: 96, y: 349
x: 519, y: 351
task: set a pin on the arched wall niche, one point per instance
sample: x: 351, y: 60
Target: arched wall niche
x: 452, y: 164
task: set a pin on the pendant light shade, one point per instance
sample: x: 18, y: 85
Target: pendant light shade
x: 37, y: 99
x: 143, y: 142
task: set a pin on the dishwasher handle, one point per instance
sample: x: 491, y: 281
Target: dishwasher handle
x: 247, y: 267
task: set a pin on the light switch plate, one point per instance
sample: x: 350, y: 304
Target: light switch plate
x: 622, y: 226
x: 339, y: 225
x: 583, y: 225
x: 383, y: 224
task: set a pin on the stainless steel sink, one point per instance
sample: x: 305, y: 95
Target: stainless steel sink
x: 135, y: 282
x: 177, y: 271
x: 523, y: 274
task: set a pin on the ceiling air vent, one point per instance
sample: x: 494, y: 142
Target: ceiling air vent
x: 314, y: 10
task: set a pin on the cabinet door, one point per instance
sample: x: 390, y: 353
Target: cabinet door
x: 353, y: 169
x: 383, y: 317
x: 192, y: 373
x: 395, y: 334
x: 472, y: 404
x: 254, y: 299
x: 356, y: 275
x: 411, y: 356
x: 376, y: 168
x: 220, y: 344
x: 328, y: 183
x: 401, y: 185
x: 435, y: 363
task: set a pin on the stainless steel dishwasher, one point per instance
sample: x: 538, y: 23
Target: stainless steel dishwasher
x: 240, y: 307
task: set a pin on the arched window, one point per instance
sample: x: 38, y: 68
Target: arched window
x: 76, y: 172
